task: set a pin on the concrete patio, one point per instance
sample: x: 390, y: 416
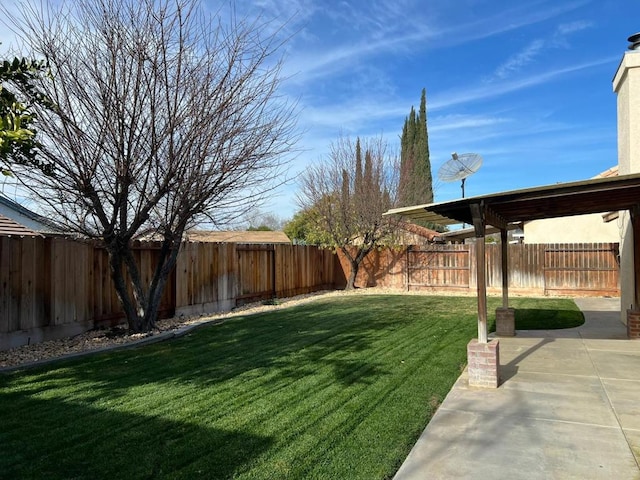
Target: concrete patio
x: 568, y: 406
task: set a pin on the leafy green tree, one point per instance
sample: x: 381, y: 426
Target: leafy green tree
x: 18, y: 144
x: 416, y: 181
x: 305, y: 228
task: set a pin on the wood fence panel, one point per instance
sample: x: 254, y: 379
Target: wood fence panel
x: 581, y: 268
x: 202, y: 279
x: 10, y: 256
x: 71, y: 278
x: 301, y: 269
x: 526, y: 263
x: 439, y: 266
x: 227, y: 275
x: 286, y: 258
x: 28, y: 277
x: 6, y: 301
x: 105, y: 308
x: 256, y: 272
x: 15, y: 252
x: 183, y: 276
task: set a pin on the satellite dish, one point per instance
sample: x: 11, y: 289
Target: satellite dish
x: 459, y: 167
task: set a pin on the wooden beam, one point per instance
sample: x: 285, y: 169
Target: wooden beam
x: 479, y: 224
x: 504, y: 245
x: 478, y: 218
x: 495, y: 219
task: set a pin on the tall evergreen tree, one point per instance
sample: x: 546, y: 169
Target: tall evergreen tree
x: 416, y: 181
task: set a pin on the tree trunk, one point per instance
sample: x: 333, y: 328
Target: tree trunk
x: 116, y: 263
x: 354, y: 262
x: 353, y: 274
x: 142, y: 307
x: 166, y: 263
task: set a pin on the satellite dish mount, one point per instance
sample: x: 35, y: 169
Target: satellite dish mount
x: 459, y: 167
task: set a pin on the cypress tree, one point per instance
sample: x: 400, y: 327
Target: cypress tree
x: 423, y: 163
x: 416, y: 181
x: 358, y: 179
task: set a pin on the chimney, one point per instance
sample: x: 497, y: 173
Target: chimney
x: 626, y: 84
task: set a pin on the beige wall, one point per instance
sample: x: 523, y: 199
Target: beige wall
x: 626, y: 84
x: 578, y: 229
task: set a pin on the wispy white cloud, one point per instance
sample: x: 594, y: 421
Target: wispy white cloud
x: 569, y: 28
x: 440, y: 124
x: 519, y: 60
x: 404, y: 28
x: 558, y: 39
x: 352, y: 114
x: 492, y: 90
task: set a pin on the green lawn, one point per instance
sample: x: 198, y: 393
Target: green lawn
x: 336, y: 389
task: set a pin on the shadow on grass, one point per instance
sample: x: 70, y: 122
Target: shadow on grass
x: 547, y: 319
x: 86, y: 442
x: 293, y: 342
x: 238, y: 389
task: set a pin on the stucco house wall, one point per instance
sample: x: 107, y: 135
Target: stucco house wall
x: 579, y: 229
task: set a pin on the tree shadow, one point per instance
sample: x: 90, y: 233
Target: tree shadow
x: 377, y: 271
x: 294, y: 343
x: 547, y: 318
x: 53, y: 438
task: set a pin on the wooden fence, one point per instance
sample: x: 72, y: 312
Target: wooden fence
x: 541, y: 269
x: 53, y: 287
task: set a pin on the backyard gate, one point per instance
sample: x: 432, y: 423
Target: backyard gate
x: 571, y: 269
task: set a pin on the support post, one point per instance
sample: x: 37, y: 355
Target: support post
x: 505, y: 267
x: 505, y: 316
x: 477, y: 214
x: 483, y: 357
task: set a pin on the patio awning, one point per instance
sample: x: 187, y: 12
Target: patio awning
x: 503, y: 209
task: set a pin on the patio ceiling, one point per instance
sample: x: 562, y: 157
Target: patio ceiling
x: 559, y: 200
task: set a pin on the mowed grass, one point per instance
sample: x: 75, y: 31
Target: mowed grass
x: 552, y: 314
x: 339, y: 388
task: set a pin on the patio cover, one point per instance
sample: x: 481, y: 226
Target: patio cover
x: 502, y: 209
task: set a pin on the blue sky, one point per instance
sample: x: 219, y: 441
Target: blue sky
x: 527, y: 85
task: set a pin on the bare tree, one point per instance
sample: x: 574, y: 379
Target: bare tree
x: 261, y: 220
x: 164, y: 116
x: 349, y: 194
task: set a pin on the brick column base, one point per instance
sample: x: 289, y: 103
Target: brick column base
x: 483, y: 363
x: 633, y: 324
x: 505, y: 322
